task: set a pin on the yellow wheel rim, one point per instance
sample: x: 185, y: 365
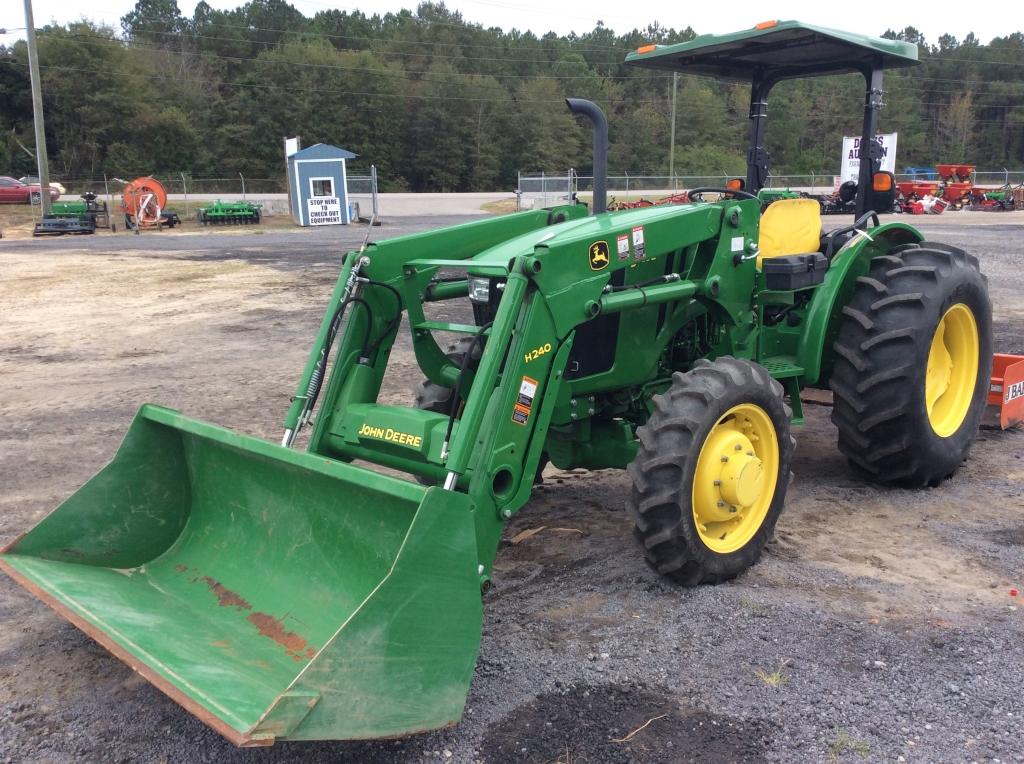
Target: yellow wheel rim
x: 734, y: 483
x: 952, y: 370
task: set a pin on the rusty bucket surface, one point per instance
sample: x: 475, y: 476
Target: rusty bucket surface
x: 274, y: 594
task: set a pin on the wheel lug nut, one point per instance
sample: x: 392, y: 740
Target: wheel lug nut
x: 739, y: 447
x: 725, y: 459
x: 718, y: 482
x: 732, y: 509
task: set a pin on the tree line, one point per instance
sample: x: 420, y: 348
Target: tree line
x: 439, y: 103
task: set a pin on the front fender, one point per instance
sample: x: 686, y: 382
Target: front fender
x: 814, y: 351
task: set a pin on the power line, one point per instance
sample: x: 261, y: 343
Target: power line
x: 908, y: 119
x: 639, y: 75
x: 510, y: 99
x: 940, y: 57
x: 547, y: 11
x: 199, y: 54
x: 472, y: 27
x: 467, y: 28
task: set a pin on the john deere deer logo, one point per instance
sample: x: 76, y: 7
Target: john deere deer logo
x: 599, y: 255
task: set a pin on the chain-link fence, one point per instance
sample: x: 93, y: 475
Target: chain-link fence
x: 191, y: 191
x: 178, y: 183
x: 363, y: 190
x: 542, y: 189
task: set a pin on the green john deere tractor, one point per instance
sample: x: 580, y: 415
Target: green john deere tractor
x: 281, y: 594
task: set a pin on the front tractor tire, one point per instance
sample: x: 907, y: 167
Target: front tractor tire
x: 431, y: 396
x: 913, y: 362
x: 710, y: 477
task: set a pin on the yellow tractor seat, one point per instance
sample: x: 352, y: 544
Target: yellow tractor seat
x: 789, y: 227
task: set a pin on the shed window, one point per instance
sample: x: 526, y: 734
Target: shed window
x: 322, y: 186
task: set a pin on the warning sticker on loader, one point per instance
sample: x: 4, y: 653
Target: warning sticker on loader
x: 527, y: 391
x: 639, y: 250
x: 623, y: 241
x: 520, y: 414
x: 524, y: 403
x: 599, y: 256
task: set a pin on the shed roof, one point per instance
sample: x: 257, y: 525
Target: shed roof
x: 777, y: 48
x: 323, y: 151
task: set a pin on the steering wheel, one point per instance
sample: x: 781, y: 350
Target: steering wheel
x: 735, y: 192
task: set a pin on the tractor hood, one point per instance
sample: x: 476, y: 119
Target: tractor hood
x: 586, y: 230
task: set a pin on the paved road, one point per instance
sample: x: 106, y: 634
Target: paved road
x: 226, y: 242
x: 391, y: 205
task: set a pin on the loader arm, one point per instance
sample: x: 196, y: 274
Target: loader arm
x: 557, y: 281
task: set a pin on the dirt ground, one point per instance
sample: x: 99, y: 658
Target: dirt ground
x: 878, y: 626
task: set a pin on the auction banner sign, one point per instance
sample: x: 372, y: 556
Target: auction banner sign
x: 851, y: 155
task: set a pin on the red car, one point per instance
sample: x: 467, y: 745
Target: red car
x: 15, y: 192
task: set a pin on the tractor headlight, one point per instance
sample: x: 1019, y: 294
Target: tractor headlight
x: 479, y: 289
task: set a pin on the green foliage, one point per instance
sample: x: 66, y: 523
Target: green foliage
x: 441, y: 104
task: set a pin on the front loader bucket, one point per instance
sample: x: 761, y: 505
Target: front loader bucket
x: 274, y: 594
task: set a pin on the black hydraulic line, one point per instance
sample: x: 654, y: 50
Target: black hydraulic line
x: 650, y: 282
x: 316, y: 379
x: 392, y: 324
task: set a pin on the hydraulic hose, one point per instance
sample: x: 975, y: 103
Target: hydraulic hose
x: 317, y: 377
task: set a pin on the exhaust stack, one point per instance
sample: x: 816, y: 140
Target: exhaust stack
x: 592, y: 111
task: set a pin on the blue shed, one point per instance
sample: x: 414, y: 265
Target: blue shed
x: 317, y: 184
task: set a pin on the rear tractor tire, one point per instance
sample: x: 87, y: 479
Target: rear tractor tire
x: 710, y: 478
x: 913, y: 362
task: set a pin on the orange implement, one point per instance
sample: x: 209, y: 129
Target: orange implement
x: 955, y: 192
x: 1006, y: 391
x: 918, y: 188
x: 961, y: 171
x: 143, y: 199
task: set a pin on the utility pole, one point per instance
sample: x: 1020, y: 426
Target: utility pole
x: 37, y: 111
x: 672, y: 135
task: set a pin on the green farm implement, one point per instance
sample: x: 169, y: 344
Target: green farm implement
x: 769, y: 195
x: 82, y: 216
x: 281, y: 594
x: 230, y: 213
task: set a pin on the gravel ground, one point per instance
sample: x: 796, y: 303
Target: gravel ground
x: 878, y: 626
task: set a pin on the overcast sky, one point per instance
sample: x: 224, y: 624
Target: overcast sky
x: 986, y: 20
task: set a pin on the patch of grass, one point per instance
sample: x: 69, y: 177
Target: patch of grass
x: 17, y: 219
x: 502, y: 207
x: 844, y: 744
x: 775, y: 678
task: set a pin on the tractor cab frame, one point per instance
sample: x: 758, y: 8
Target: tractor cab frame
x: 774, y: 51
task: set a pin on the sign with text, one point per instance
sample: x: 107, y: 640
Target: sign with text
x: 324, y: 210
x: 851, y: 155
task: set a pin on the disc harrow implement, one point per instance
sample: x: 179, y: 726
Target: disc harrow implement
x: 230, y: 213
